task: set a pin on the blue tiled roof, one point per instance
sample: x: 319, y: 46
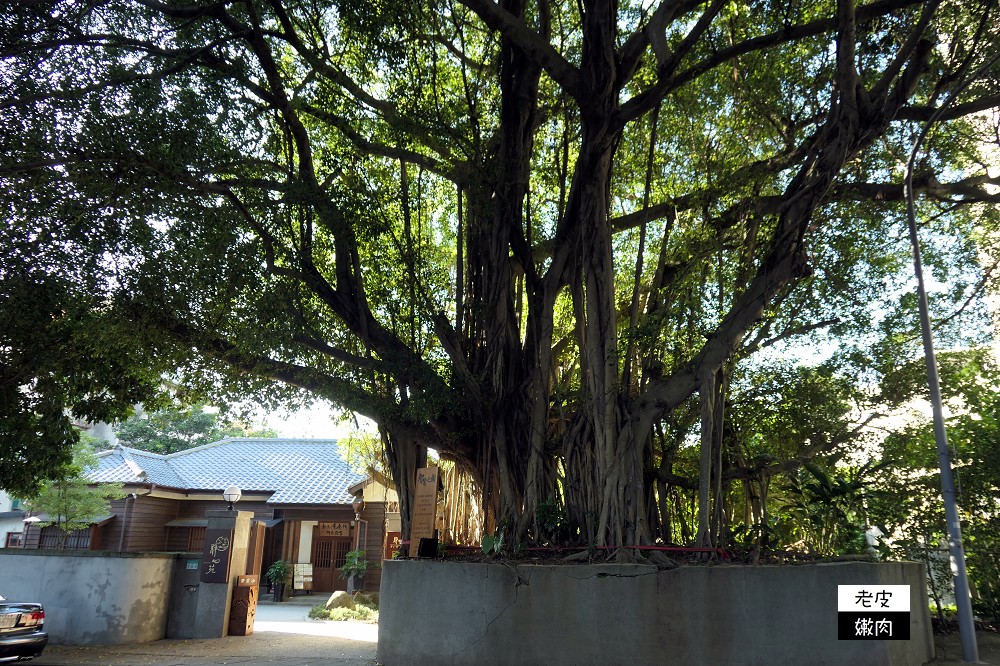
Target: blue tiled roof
x: 297, y: 471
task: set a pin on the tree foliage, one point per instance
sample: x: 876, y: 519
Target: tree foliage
x: 555, y: 241
x: 907, y: 502
x: 179, y: 428
x: 69, y: 500
x: 60, y: 360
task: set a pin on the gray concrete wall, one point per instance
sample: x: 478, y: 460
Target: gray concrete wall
x: 92, y: 597
x: 445, y: 613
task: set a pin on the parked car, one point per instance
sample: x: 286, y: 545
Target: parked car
x: 21, y: 630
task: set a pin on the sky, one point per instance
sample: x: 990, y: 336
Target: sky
x: 319, y: 421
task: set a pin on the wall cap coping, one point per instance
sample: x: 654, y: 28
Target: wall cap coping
x: 46, y: 552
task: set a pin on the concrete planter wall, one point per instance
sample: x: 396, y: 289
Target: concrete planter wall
x: 93, y: 597
x: 446, y: 613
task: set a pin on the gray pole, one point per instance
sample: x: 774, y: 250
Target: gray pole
x: 963, y: 598
x: 966, y: 624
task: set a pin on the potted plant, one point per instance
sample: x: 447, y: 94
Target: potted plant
x: 279, y: 573
x: 354, y: 568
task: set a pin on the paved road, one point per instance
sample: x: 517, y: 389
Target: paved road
x: 283, y: 635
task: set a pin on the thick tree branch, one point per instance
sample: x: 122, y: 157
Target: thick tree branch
x: 344, y: 393
x: 372, y: 148
x: 923, y: 113
x: 652, y: 34
x: 645, y: 101
x: 844, y: 135
x: 336, y: 353
x: 881, y: 89
x: 534, y: 47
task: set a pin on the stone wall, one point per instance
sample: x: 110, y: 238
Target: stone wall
x: 446, y: 613
x: 93, y: 597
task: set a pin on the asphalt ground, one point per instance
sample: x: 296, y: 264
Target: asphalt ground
x: 284, y: 635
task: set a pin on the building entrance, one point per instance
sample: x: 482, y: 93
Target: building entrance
x: 328, y: 556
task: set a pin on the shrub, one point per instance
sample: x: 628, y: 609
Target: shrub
x: 279, y: 572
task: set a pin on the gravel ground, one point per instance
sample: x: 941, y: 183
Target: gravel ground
x: 949, y: 648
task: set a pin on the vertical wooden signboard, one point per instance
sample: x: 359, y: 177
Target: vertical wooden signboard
x: 215, y: 557
x: 424, y: 507
x: 392, y: 544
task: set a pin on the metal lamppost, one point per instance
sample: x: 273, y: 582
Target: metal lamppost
x: 963, y: 598
x: 357, y: 504
x: 232, y: 494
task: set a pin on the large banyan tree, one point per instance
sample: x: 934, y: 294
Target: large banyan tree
x: 550, y: 240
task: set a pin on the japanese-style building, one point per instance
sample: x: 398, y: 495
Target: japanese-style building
x: 314, y: 507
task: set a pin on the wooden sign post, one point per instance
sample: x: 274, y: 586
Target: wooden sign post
x: 424, y: 507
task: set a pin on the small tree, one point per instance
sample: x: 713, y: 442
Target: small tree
x: 70, y: 500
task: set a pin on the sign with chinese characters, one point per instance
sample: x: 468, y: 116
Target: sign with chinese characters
x: 873, y: 612
x: 215, y: 557
x: 334, y: 529
x: 424, y: 507
x: 392, y: 544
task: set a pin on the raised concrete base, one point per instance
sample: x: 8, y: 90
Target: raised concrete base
x: 445, y: 613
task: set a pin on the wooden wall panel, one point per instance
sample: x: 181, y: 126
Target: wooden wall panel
x: 177, y: 539
x: 147, y: 520
x: 196, y: 508
x: 332, y: 513
x: 374, y: 513
x: 111, y: 539
x: 32, y: 535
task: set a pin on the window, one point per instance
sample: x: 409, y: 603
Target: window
x: 15, y: 505
x: 323, y: 554
x: 340, y: 555
x: 14, y: 540
x: 196, y: 539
